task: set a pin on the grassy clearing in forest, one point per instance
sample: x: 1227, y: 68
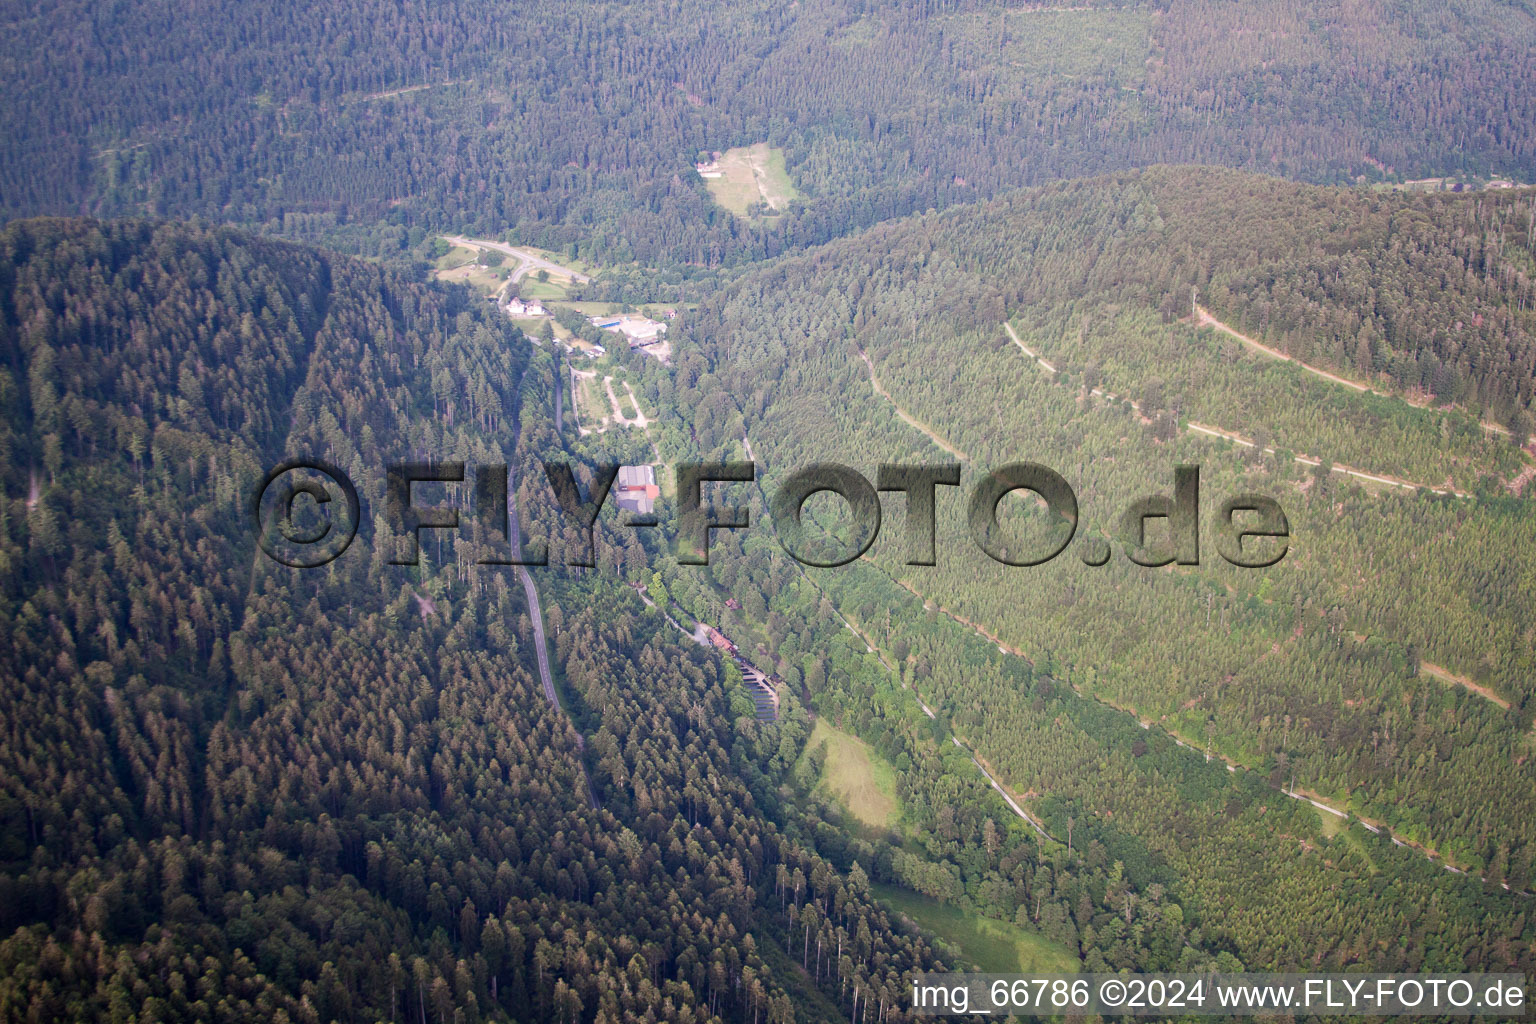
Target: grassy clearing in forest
x: 456, y: 257
x: 591, y: 404
x: 856, y: 776
x: 994, y: 946
x: 751, y: 175
x: 531, y: 287
x: 485, y: 280
x: 1334, y: 826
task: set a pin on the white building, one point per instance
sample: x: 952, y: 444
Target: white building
x: 525, y: 308
x: 641, y: 331
x: 638, y: 330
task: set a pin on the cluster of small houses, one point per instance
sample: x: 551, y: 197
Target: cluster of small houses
x: 639, y: 331
x: 763, y: 687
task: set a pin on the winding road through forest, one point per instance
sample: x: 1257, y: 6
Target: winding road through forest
x: 1232, y: 766
x: 540, y: 643
x: 1013, y: 804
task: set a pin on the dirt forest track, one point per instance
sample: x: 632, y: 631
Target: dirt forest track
x: 1210, y: 431
x: 1204, y: 318
x: 908, y: 418
x: 1372, y: 826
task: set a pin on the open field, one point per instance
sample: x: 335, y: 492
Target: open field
x: 533, y: 325
x: 532, y: 288
x: 456, y: 257
x: 994, y: 946
x: 482, y: 279
x: 591, y: 308
x: 591, y: 404
x: 751, y: 175
x: 857, y: 777
x: 458, y: 264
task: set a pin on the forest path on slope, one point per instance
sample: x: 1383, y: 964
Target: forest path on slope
x: 1205, y: 319
x: 1447, y: 676
x: 1201, y: 428
x: 869, y: 645
x: 908, y: 418
x: 1431, y: 854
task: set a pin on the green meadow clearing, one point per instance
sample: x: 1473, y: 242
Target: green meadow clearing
x: 750, y: 175
x: 857, y: 777
x: 994, y: 946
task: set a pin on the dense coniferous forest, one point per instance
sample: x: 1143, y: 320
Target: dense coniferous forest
x: 1326, y: 674
x: 233, y: 790
x: 579, y: 124
x: 1109, y: 237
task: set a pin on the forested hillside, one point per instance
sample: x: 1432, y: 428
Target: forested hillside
x: 1290, y: 242
x: 233, y: 790
x: 1332, y: 673
x: 363, y: 123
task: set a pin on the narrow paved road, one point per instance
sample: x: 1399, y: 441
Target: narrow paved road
x: 540, y: 644
x: 526, y: 260
x: 576, y: 402
x: 1014, y: 804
